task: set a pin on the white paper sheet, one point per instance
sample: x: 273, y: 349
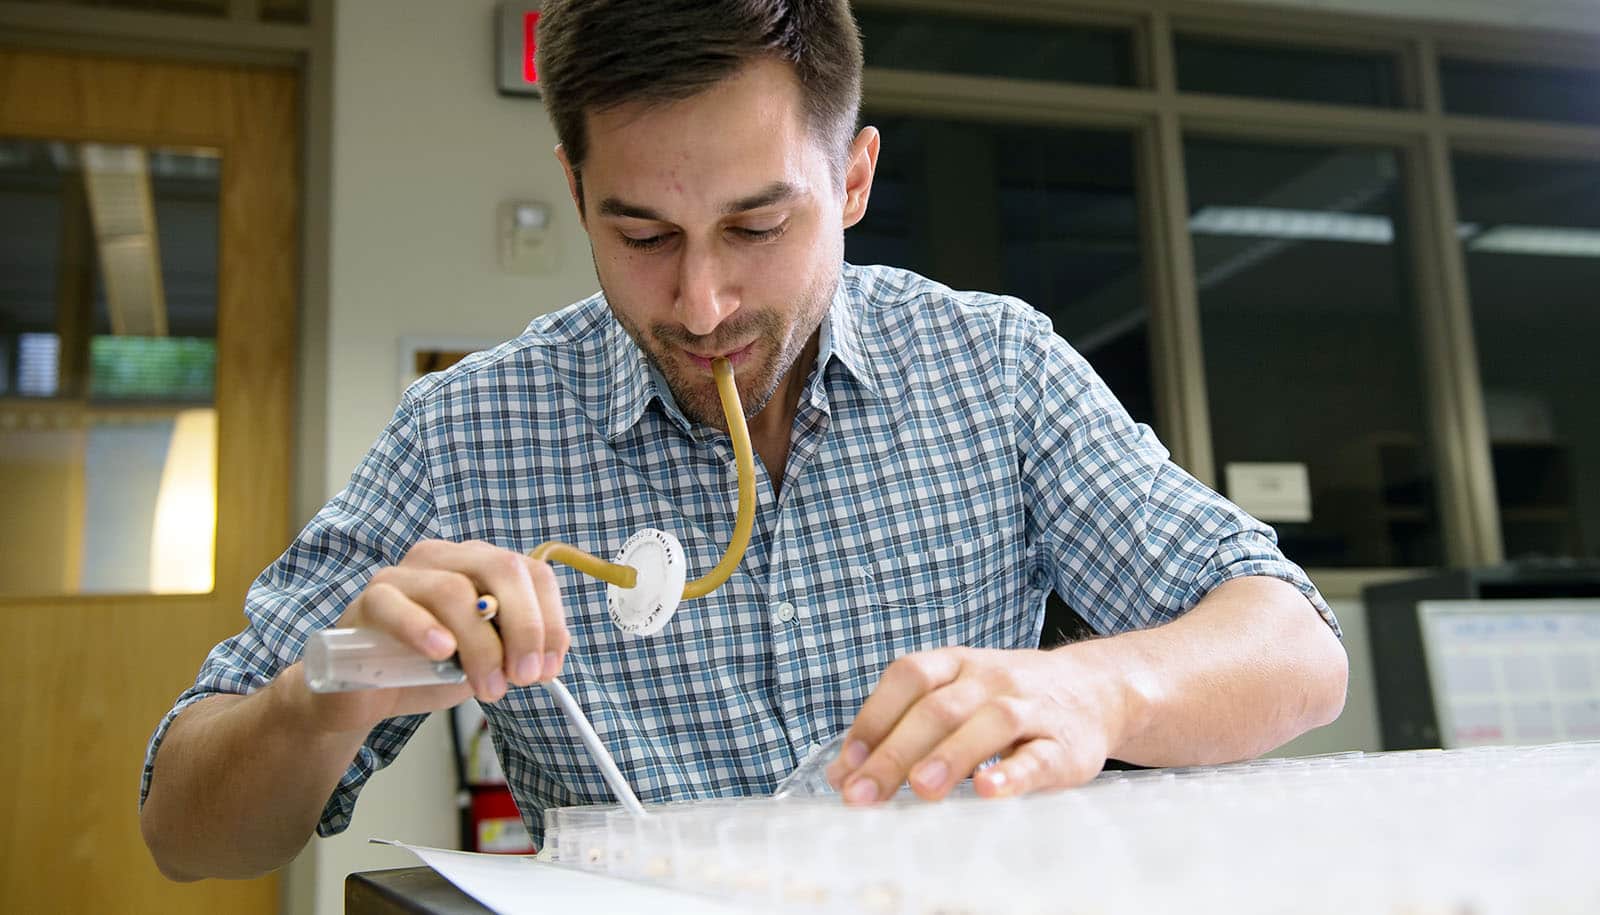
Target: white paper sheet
x: 516, y: 885
x: 1271, y: 492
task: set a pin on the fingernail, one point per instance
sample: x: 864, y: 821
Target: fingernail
x: 528, y: 668
x: 552, y: 664
x: 496, y: 685
x: 861, y: 791
x: 931, y: 775
x: 438, y: 642
x: 997, y: 780
x: 855, y: 753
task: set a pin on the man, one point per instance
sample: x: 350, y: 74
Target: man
x: 931, y: 465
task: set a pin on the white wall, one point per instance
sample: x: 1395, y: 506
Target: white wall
x: 423, y: 152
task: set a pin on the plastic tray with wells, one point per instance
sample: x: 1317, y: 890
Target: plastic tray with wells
x: 1482, y: 830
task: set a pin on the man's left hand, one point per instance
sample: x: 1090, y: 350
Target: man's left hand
x: 935, y: 716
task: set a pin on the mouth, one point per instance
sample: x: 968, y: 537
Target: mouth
x: 735, y: 358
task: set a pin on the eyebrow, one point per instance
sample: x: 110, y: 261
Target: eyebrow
x: 612, y: 206
x: 776, y: 192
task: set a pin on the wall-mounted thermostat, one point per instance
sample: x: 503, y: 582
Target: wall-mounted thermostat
x: 518, y: 38
x: 527, y: 245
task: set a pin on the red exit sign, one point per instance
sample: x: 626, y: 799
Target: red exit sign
x: 516, y: 71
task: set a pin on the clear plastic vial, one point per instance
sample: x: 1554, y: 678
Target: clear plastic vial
x: 339, y: 660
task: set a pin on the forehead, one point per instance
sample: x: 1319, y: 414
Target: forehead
x: 745, y: 131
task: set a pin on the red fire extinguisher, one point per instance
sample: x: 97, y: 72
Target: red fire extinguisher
x: 496, y: 823
x: 490, y: 821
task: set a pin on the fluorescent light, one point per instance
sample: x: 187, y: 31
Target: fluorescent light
x: 1362, y: 228
x: 1274, y: 222
x: 1555, y: 241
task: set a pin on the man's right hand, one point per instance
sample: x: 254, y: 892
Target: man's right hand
x: 241, y: 780
x: 429, y: 602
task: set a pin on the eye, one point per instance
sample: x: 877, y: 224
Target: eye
x: 759, y: 235
x: 648, y: 243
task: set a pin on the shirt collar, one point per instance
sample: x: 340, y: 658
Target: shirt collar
x: 840, y: 336
x: 634, y: 382
x: 631, y: 382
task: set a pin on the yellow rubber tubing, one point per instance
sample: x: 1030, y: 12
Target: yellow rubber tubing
x: 624, y: 576
x: 744, y: 459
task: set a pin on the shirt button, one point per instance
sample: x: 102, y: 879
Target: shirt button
x: 784, y: 612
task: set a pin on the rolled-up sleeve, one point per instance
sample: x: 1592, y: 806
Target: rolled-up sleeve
x: 372, y: 522
x: 1128, y: 538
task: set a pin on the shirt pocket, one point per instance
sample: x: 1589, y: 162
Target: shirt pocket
x: 917, y: 600
x: 940, y: 577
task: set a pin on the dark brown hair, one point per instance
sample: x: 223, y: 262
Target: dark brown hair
x: 597, y: 54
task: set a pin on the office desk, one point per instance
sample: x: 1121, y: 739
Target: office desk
x: 406, y: 891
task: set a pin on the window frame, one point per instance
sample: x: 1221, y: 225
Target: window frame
x: 1161, y: 117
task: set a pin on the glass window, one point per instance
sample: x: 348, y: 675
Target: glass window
x: 1047, y: 214
x: 1518, y: 91
x: 1292, y: 73
x: 1013, y: 48
x: 108, y: 325
x: 1311, y: 349
x: 1530, y: 236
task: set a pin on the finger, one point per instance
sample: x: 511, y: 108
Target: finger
x: 1038, y: 763
x: 904, y: 682
x: 924, y: 726
x: 547, y: 594
x: 451, y: 597
x: 504, y: 574
x: 383, y: 604
x: 996, y: 726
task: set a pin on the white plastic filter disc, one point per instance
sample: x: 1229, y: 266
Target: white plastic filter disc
x: 645, y: 608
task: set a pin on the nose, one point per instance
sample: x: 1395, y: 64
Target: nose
x: 707, y: 294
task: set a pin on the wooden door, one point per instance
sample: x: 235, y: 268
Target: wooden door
x: 84, y: 679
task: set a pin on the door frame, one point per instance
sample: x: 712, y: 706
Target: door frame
x: 86, y: 678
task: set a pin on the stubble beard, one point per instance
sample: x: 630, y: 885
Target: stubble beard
x: 773, y: 354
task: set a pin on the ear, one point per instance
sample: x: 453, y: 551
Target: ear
x: 574, y: 187
x: 859, y: 169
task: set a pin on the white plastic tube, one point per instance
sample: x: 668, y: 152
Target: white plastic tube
x: 340, y: 660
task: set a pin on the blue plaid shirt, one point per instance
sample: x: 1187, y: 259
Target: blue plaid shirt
x: 952, y: 461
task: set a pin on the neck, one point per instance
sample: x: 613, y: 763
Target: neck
x: 770, y: 429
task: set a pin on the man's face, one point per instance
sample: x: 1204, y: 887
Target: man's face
x: 717, y: 227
